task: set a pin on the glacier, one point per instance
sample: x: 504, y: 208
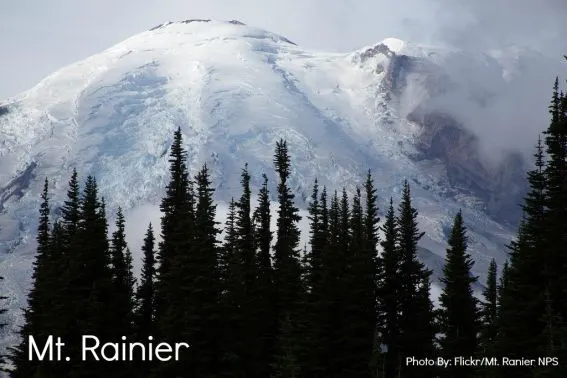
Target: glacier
x: 234, y: 90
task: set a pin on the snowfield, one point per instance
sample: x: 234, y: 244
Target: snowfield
x: 234, y: 90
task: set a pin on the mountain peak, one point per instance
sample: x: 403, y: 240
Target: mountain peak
x: 233, y: 22
x: 234, y: 90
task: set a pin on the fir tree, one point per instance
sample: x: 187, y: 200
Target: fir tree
x: 331, y: 308
x: 555, y: 175
x: 286, y: 253
x: 266, y: 323
x: 389, y: 289
x: 359, y: 301
x: 489, y: 312
x: 522, y: 300
x: 121, y: 262
x: 201, y: 304
x: 36, y: 316
x: 416, y: 310
x: 458, y: 312
x: 230, y: 271
x: 70, y: 209
x: 89, y: 283
x: 287, y: 267
x: 249, y: 348
x: 146, y: 290
x: 175, y: 256
x: 316, y: 241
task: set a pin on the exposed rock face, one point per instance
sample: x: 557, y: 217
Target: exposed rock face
x: 3, y: 110
x: 501, y: 186
x: 441, y: 137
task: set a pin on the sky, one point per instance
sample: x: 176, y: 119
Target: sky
x: 39, y: 37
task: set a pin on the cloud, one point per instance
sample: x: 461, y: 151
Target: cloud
x: 495, y: 24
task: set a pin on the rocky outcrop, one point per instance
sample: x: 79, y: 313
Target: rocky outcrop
x: 501, y: 186
x: 4, y: 110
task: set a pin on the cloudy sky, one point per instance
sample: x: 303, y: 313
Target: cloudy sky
x: 38, y: 36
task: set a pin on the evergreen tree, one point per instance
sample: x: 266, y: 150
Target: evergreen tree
x: 70, y: 209
x: 522, y: 300
x: 330, y: 307
x: 249, y: 344
x: 555, y: 175
x: 36, y: 316
x: 416, y: 324
x: 315, y: 339
x: 489, y: 312
x: 229, y: 250
x: 389, y: 289
x: 316, y: 241
x: 359, y: 302
x: 121, y: 262
x: 286, y: 253
x: 230, y: 271
x: 458, y: 312
x: 146, y: 290
x: 201, y: 298
x: 89, y: 284
x: 287, y: 267
x: 371, y: 218
x: 175, y: 257
x: 239, y: 299
x: 266, y: 323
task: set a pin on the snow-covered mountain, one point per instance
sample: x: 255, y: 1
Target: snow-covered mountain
x: 234, y: 90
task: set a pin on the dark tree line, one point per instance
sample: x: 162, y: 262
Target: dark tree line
x: 256, y: 303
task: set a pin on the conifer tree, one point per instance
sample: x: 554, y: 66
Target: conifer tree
x: 371, y: 217
x: 267, y: 322
x: 89, y: 283
x: 70, y: 209
x: 247, y: 260
x: 522, y: 300
x: 458, y: 313
x: 245, y: 232
x: 489, y: 312
x: 555, y: 175
x: 416, y: 324
x: 175, y: 257
x: 286, y: 253
x: 316, y: 242
x: 287, y: 266
x: 121, y: 262
x: 231, y: 275
x: 359, y: 298
x: 228, y: 251
x: 331, y: 308
x: 36, y: 316
x: 388, y: 291
x: 315, y: 339
x: 146, y: 290
x: 201, y: 300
